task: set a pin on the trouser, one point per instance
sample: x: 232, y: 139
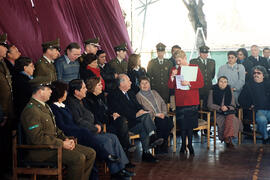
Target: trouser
x: 144, y: 128
x: 79, y: 162
x: 112, y: 145
x: 164, y: 127
x: 120, y: 128
x: 262, y: 119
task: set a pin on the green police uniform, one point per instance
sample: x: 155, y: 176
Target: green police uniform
x: 40, y: 129
x: 119, y: 67
x: 207, y: 68
x: 94, y: 42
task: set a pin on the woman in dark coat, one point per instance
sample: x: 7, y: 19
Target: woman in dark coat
x: 135, y: 71
x: 116, y: 124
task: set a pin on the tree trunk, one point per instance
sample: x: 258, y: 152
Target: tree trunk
x: 197, y: 19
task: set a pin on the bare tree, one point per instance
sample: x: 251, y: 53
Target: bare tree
x: 197, y: 18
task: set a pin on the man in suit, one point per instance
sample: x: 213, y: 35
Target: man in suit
x: 119, y: 64
x: 207, y: 67
x: 12, y: 55
x: 40, y: 128
x: 44, y: 67
x: 158, y: 70
x: 174, y: 48
x: 256, y: 59
x: 266, y: 55
x: 124, y: 102
x: 90, y: 47
x: 7, y: 108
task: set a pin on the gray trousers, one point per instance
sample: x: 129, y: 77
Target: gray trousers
x: 112, y: 145
x: 144, y: 127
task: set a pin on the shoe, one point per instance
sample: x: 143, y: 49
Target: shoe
x: 122, y: 174
x: 113, y: 158
x: 131, y: 148
x: 147, y: 157
x: 155, y: 141
x: 229, y: 144
x: 130, y: 165
x: 265, y: 141
x: 191, y: 150
x: 183, y: 149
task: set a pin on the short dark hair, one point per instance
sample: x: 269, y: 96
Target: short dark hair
x: 89, y: 58
x: 99, y: 52
x: 244, y: 51
x: 176, y: 46
x: 91, y: 83
x: 71, y: 46
x: 58, y: 90
x: 21, y: 62
x: 232, y: 53
x: 144, y: 78
x: 262, y: 69
x: 75, y: 84
x: 265, y: 49
x: 224, y: 77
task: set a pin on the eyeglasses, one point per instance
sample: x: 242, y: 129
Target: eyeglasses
x: 257, y: 73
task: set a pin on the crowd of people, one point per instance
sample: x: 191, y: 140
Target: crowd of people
x: 78, y: 94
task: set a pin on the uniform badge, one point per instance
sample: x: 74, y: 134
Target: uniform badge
x: 33, y: 127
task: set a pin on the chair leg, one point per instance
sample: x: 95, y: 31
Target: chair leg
x: 174, y: 133
x: 169, y: 141
x: 239, y: 138
x: 215, y: 128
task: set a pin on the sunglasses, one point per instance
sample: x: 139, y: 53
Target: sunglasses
x: 257, y: 73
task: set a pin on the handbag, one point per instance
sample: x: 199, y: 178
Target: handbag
x: 228, y: 112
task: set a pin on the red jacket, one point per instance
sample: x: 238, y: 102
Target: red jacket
x: 96, y: 71
x: 187, y: 97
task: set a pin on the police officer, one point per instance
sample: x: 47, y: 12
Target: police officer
x: 207, y: 67
x: 40, y: 128
x: 119, y: 64
x: 90, y: 47
x: 44, y: 67
x: 158, y: 70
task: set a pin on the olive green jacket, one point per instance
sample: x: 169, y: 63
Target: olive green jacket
x: 45, y: 71
x: 118, y: 67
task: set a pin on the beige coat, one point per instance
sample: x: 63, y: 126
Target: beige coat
x: 147, y: 105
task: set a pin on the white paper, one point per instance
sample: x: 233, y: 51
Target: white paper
x: 189, y: 73
x: 178, y: 79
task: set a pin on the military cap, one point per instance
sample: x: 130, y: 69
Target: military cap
x: 3, y: 40
x: 92, y: 42
x: 38, y: 83
x: 160, y: 47
x: 120, y: 47
x: 204, y: 49
x: 51, y: 44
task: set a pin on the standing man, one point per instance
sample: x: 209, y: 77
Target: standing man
x: 158, y: 70
x: 67, y: 66
x: 256, y: 94
x: 174, y: 48
x: 266, y: 55
x: 12, y: 55
x: 119, y: 64
x: 7, y: 109
x: 44, y: 68
x: 208, y: 69
x: 256, y: 59
x: 90, y: 47
x: 40, y: 128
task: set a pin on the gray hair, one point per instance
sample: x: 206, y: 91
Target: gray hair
x: 262, y: 69
x: 120, y: 79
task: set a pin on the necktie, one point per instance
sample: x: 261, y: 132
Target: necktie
x: 160, y: 62
x: 204, y: 61
x: 127, y: 96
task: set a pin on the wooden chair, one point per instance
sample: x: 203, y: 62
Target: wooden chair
x: 250, y: 121
x: 22, y: 166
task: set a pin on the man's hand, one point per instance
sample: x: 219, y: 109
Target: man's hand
x: 115, y: 116
x: 69, y: 144
x: 98, y: 127
x: 224, y: 108
x: 140, y: 112
x: 160, y: 115
x: 115, y: 75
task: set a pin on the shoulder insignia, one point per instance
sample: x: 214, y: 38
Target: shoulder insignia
x: 33, y: 127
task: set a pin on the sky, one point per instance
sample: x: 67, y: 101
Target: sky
x: 231, y: 24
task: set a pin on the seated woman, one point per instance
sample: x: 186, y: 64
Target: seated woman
x: 89, y: 68
x: 65, y: 122
x: 135, y: 71
x: 221, y: 99
x: 116, y: 124
x: 153, y: 102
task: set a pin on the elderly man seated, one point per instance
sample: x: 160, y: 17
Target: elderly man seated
x: 256, y: 94
x: 124, y: 102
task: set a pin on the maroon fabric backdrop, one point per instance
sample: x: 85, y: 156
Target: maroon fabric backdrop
x: 69, y: 20
x: 19, y: 22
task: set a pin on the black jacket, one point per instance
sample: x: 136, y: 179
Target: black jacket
x: 262, y: 61
x: 107, y: 74
x: 248, y: 64
x: 134, y: 78
x: 119, y: 103
x: 81, y: 116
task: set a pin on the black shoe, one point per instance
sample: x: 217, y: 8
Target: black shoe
x: 183, y: 149
x: 130, y: 165
x: 265, y: 141
x: 123, y: 174
x: 155, y: 141
x: 131, y: 148
x: 191, y: 150
x: 113, y: 158
x: 147, y: 157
